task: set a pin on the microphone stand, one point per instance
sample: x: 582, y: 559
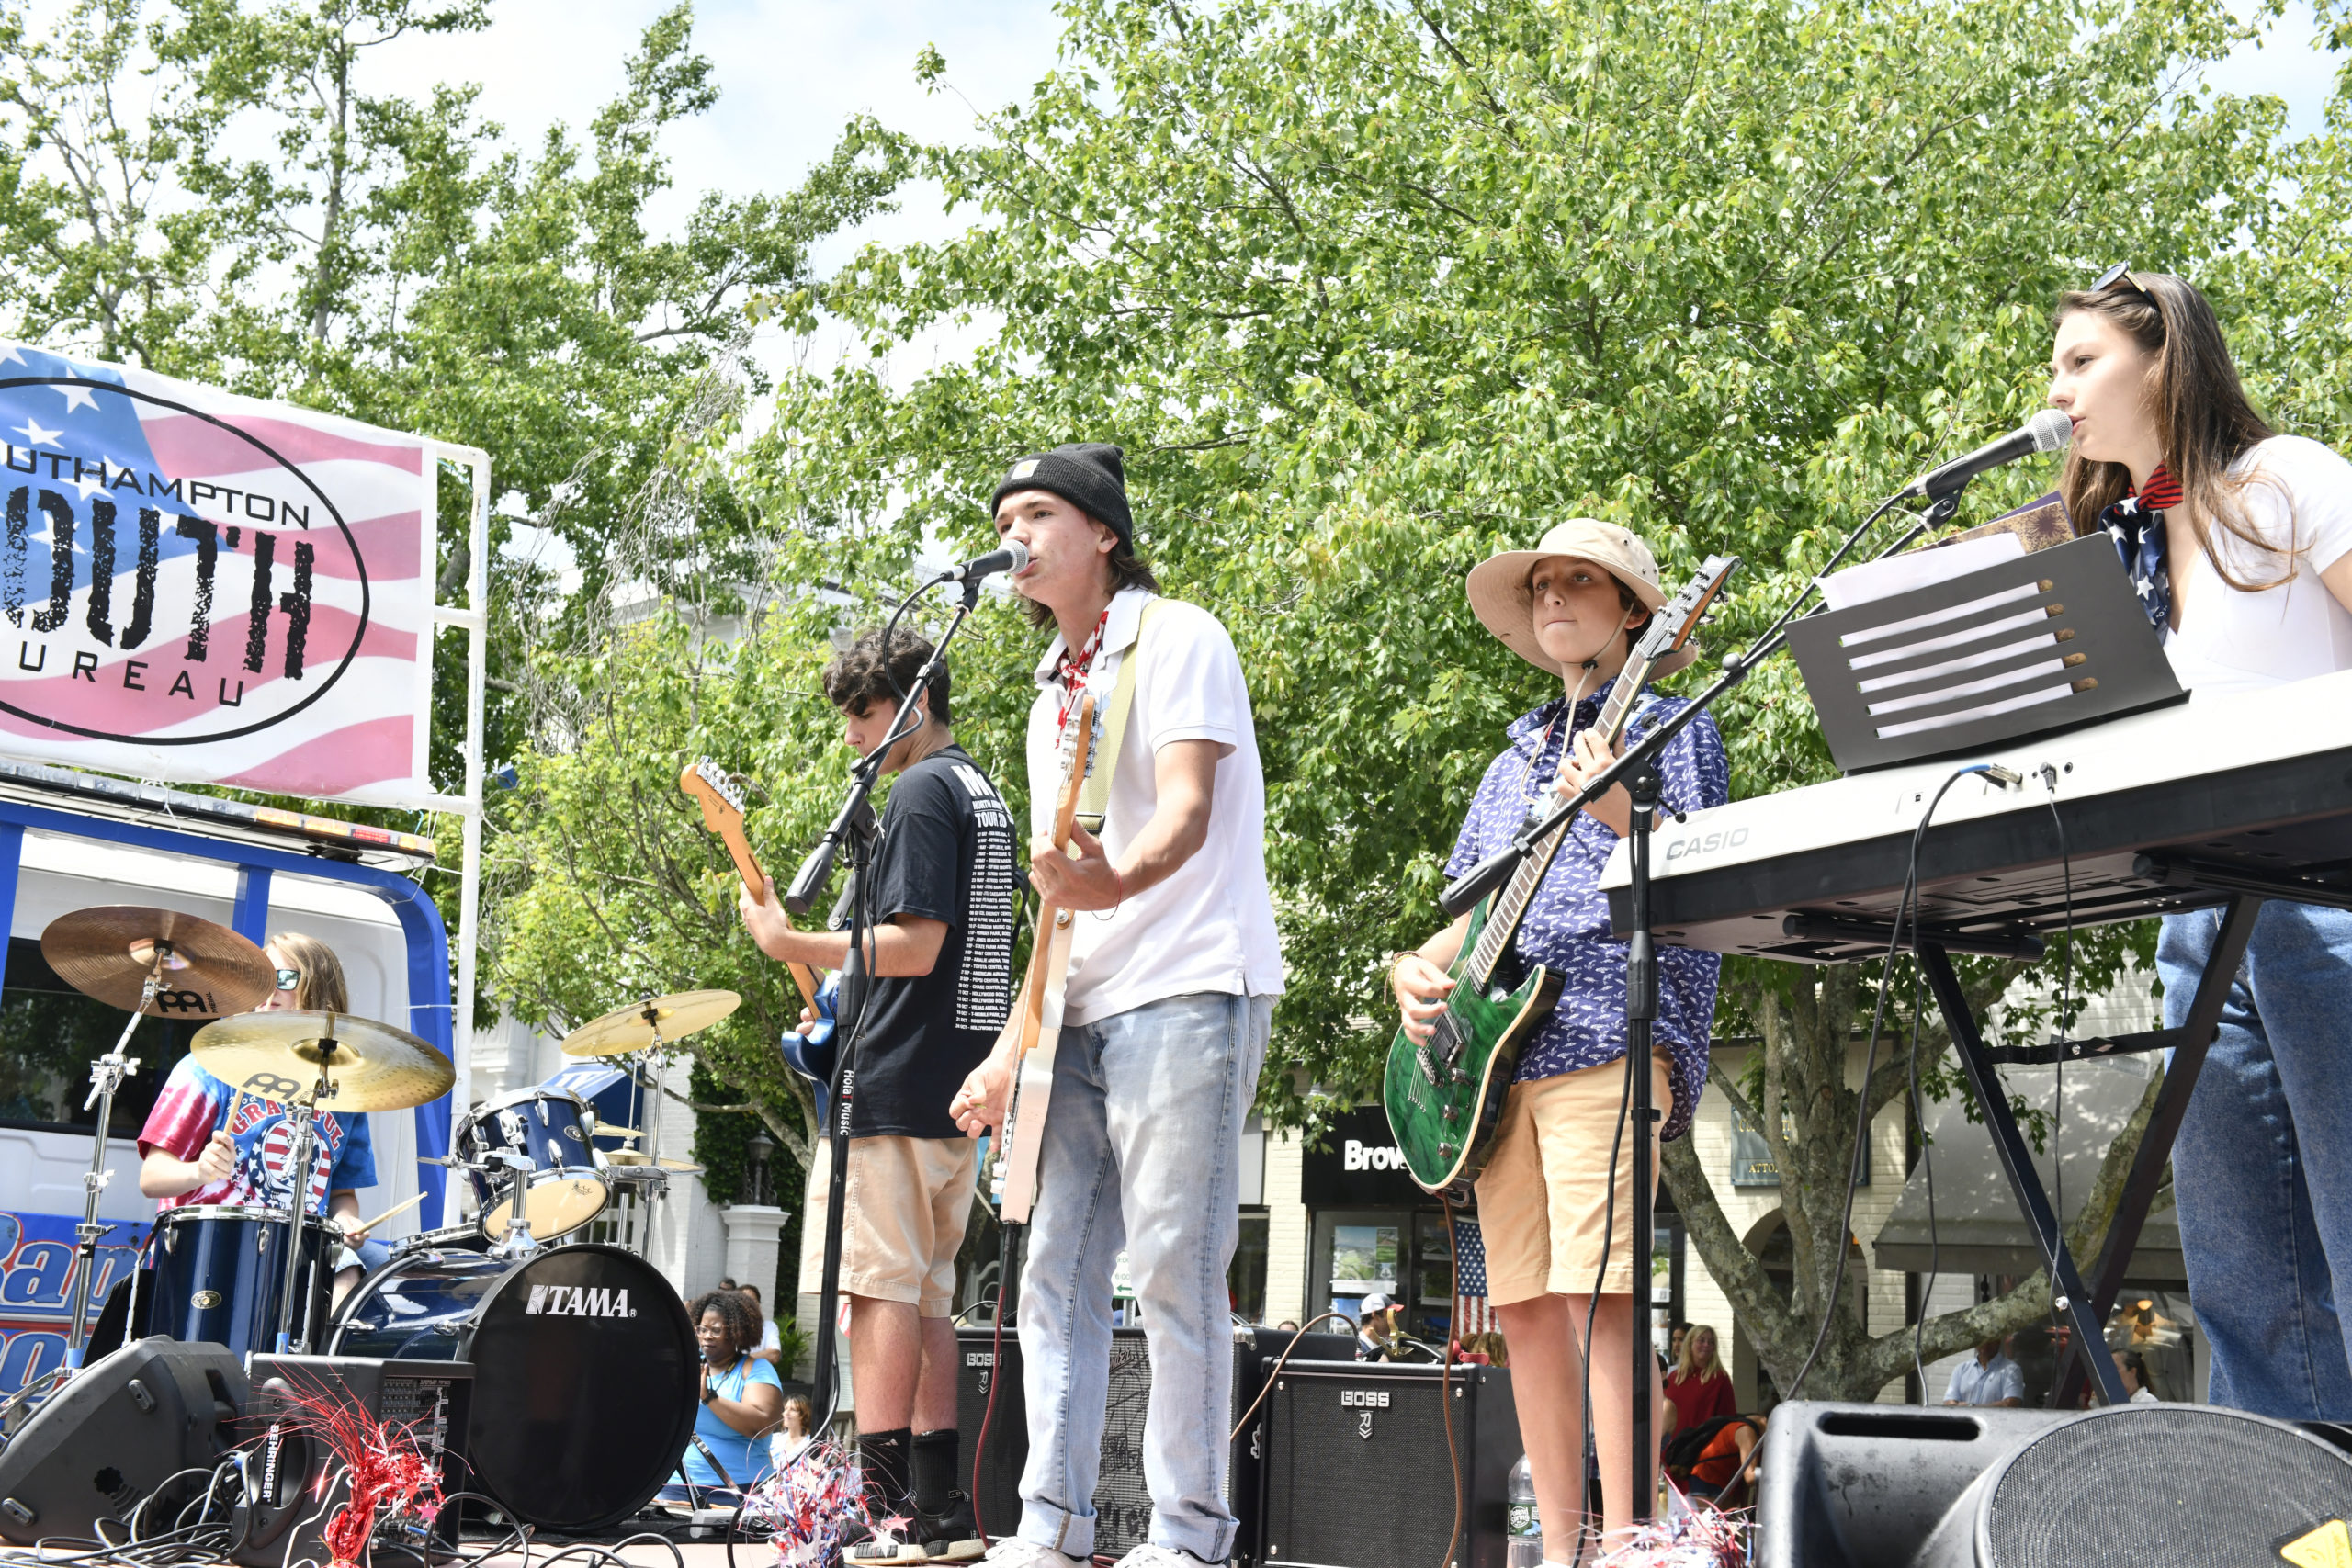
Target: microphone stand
x: 849, y: 1031
x: 1637, y: 769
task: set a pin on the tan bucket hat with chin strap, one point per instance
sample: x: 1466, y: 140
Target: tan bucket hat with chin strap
x: 1500, y: 594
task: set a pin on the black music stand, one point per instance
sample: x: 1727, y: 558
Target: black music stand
x: 2049, y: 642
x: 2053, y: 642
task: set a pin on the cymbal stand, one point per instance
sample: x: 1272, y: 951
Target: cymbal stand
x: 105, y: 1077
x: 658, y: 1055
x: 297, y: 1206
x: 517, y: 1242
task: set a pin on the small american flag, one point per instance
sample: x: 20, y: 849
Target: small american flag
x: 1472, y: 1316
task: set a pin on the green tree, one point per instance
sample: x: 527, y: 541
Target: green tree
x: 1367, y: 291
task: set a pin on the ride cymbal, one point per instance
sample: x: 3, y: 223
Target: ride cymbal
x: 277, y: 1055
x: 208, y: 970
x: 631, y: 1028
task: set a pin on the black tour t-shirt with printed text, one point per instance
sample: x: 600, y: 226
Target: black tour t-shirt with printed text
x: 946, y: 854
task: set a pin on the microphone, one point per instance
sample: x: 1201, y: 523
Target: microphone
x: 2046, y: 432
x: 1012, y: 558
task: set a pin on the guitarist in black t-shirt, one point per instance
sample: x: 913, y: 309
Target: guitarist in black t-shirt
x: 942, y: 904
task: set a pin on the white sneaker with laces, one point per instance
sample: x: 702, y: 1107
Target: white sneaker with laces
x: 1150, y: 1556
x: 1014, y: 1551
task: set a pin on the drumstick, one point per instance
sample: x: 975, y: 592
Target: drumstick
x: 395, y: 1208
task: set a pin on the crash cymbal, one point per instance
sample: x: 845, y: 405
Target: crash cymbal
x: 687, y: 1166
x: 209, y: 971
x: 627, y: 1157
x: 277, y: 1055
x: 631, y: 1028
x: 600, y: 1130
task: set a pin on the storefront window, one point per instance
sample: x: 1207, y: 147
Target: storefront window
x: 1363, y: 1260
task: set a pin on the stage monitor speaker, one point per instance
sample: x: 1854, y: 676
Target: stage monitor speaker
x: 1890, y: 1486
x: 294, y: 1470
x: 103, y: 1444
x: 1122, y: 1501
x: 1358, y: 1471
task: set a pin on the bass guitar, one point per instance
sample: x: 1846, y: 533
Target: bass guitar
x: 1033, y: 1032
x: 1444, y: 1097
x: 721, y: 799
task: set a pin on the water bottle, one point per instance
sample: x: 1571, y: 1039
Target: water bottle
x: 1526, y: 1529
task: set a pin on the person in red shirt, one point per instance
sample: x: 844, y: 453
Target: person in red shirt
x: 1697, y: 1389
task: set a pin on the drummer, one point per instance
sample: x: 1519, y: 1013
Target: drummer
x: 208, y: 1144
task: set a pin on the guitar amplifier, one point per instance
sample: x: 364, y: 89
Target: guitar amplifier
x: 1122, y: 1501
x: 1357, y: 1469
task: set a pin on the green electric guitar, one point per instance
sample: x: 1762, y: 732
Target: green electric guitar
x: 1444, y: 1097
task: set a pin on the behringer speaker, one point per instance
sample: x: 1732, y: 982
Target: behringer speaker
x: 293, y: 1488
x: 1122, y: 1501
x: 1893, y: 1486
x: 1357, y: 1469
x: 102, y: 1445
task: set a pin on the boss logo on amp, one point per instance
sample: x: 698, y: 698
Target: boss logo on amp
x: 1363, y: 1399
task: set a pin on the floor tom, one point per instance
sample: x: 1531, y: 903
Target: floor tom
x: 220, y: 1275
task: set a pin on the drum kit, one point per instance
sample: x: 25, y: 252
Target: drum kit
x: 584, y: 1359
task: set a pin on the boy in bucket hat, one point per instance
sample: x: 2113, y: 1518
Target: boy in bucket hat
x: 1553, y: 1204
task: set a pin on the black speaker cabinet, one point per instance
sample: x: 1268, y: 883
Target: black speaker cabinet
x: 293, y: 1470
x: 1357, y: 1471
x: 124, y: 1426
x: 1894, y: 1487
x: 1122, y: 1501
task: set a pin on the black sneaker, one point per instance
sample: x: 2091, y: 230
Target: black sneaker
x: 951, y: 1535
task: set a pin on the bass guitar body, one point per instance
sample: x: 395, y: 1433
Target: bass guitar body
x: 1445, y: 1098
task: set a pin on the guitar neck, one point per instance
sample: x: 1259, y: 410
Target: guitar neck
x: 1510, y: 906
x: 747, y: 867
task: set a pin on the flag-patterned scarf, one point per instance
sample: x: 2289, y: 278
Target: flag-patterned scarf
x: 2136, y: 524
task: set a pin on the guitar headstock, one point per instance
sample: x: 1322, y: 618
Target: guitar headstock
x: 1672, y: 623
x: 714, y: 789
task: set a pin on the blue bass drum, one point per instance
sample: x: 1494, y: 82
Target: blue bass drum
x: 585, y: 1370
x: 221, y: 1273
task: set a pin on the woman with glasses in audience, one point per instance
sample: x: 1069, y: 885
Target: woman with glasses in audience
x: 206, y: 1143
x: 2238, y: 541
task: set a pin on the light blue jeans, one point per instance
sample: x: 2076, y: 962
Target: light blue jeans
x: 2263, y: 1166
x: 1142, y: 1151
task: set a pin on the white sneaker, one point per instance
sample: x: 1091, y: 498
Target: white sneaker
x: 1014, y: 1551
x: 1150, y: 1556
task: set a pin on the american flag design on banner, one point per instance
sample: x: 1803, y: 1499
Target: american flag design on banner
x: 1472, y: 1316
x: 205, y: 587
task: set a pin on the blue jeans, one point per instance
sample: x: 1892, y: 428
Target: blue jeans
x: 2263, y: 1167
x: 1142, y: 1151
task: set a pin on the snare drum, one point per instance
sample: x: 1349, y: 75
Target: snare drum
x: 220, y: 1276
x: 549, y: 1128
x: 449, y: 1238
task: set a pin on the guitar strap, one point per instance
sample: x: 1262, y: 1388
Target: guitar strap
x: 1109, y: 736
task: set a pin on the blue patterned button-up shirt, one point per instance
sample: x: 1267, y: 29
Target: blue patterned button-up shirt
x: 1566, y: 928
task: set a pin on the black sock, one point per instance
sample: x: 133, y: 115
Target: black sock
x: 935, y: 1460
x: 883, y: 1457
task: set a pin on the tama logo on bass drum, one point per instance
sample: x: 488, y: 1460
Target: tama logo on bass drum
x: 575, y: 1301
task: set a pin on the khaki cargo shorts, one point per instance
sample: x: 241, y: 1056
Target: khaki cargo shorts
x: 908, y: 1201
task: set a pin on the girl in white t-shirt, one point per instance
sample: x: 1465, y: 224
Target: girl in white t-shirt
x: 2239, y: 543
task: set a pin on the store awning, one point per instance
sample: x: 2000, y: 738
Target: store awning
x: 1978, y: 1227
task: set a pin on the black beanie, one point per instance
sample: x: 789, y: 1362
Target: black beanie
x: 1090, y: 475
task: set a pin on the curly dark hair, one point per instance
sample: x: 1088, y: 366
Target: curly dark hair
x: 867, y: 673
x: 735, y: 1311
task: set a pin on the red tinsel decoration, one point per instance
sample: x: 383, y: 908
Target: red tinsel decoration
x: 387, y: 1473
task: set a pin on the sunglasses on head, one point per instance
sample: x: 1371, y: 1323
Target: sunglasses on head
x: 288, y: 979
x: 2119, y: 276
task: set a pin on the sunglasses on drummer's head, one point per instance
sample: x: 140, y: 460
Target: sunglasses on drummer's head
x: 288, y: 979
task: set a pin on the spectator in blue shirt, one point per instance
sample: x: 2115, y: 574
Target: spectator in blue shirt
x: 741, y: 1400
x: 1990, y: 1379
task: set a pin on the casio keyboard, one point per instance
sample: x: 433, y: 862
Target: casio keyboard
x: 2247, y: 792
x: 2230, y: 798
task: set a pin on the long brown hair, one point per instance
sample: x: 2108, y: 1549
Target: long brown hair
x: 320, y: 988
x: 2202, y: 416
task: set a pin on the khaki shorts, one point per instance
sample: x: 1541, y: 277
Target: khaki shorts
x: 1543, y: 1196
x: 909, y: 1199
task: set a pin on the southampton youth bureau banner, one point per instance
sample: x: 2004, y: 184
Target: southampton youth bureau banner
x: 202, y: 587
